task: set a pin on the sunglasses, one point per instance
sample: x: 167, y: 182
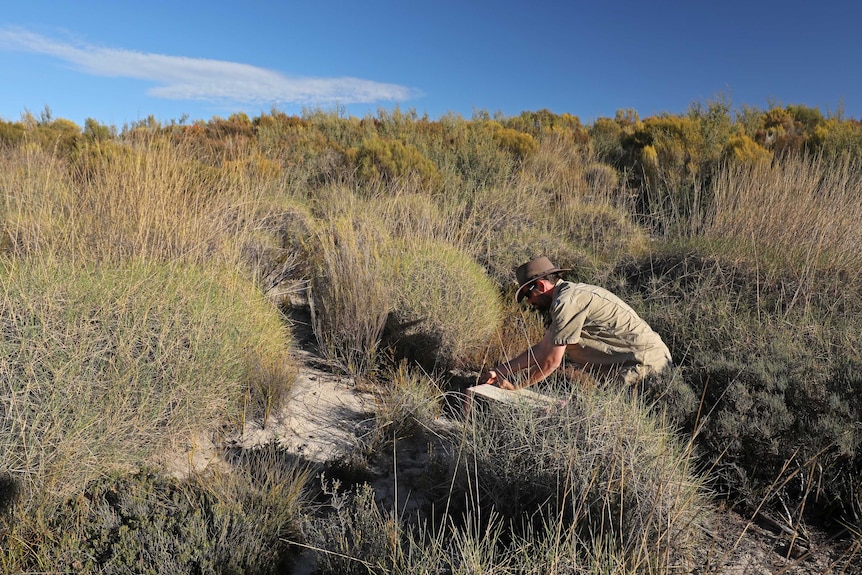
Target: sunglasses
x: 530, y: 289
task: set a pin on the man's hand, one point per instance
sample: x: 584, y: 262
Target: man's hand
x: 492, y: 377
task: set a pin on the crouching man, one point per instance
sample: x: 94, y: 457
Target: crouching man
x: 586, y: 324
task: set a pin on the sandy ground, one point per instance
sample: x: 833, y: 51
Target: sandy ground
x: 322, y: 420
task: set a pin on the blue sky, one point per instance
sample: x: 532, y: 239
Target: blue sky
x: 118, y: 62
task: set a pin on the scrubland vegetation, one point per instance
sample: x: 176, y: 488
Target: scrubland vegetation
x: 135, y: 263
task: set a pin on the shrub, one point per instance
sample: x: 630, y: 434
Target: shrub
x: 11, y: 132
x: 472, y: 155
x: 409, y: 215
x: 779, y: 380
x: 555, y: 170
x: 390, y: 160
x: 445, y: 309
x: 227, y: 522
x: 741, y: 148
x: 519, y: 144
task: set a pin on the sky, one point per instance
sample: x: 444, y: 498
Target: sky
x: 119, y: 62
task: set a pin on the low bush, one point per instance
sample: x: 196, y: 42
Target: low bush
x: 779, y: 379
x: 390, y: 160
x: 229, y: 522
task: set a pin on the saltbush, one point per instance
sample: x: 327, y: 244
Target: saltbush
x: 779, y: 381
x: 239, y: 521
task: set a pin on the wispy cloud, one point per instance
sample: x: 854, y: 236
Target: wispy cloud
x: 181, y: 78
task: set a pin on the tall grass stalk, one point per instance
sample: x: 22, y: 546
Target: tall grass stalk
x: 149, y: 200
x: 36, y: 200
x: 801, y: 211
x: 806, y: 205
x: 350, y: 298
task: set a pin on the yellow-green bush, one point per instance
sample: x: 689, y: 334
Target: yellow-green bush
x: 678, y: 146
x: 555, y: 170
x: 519, y: 144
x: 409, y: 215
x: 11, y: 132
x: 445, y: 309
x: 741, y: 148
x: 390, y: 160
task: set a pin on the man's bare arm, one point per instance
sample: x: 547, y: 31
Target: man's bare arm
x: 541, y: 360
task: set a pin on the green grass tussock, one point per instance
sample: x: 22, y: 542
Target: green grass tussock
x: 445, y: 308
x: 108, y: 365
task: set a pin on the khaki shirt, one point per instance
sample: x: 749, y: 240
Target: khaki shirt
x: 599, y: 329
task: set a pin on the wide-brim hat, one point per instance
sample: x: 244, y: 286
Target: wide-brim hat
x: 535, y: 269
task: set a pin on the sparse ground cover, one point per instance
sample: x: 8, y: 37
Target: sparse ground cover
x: 135, y: 268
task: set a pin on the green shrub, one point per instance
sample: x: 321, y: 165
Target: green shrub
x: 473, y: 155
x: 390, y: 160
x: 445, y: 309
x: 741, y: 148
x: 779, y: 380
x: 519, y: 144
x: 600, y: 229
x: 355, y: 536
x: 11, y: 132
x: 230, y: 523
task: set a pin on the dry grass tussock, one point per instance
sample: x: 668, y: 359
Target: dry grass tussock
x: 804, y: 202
x: 151, y: 200
x: 593, y: 486
x: 797, y: 213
